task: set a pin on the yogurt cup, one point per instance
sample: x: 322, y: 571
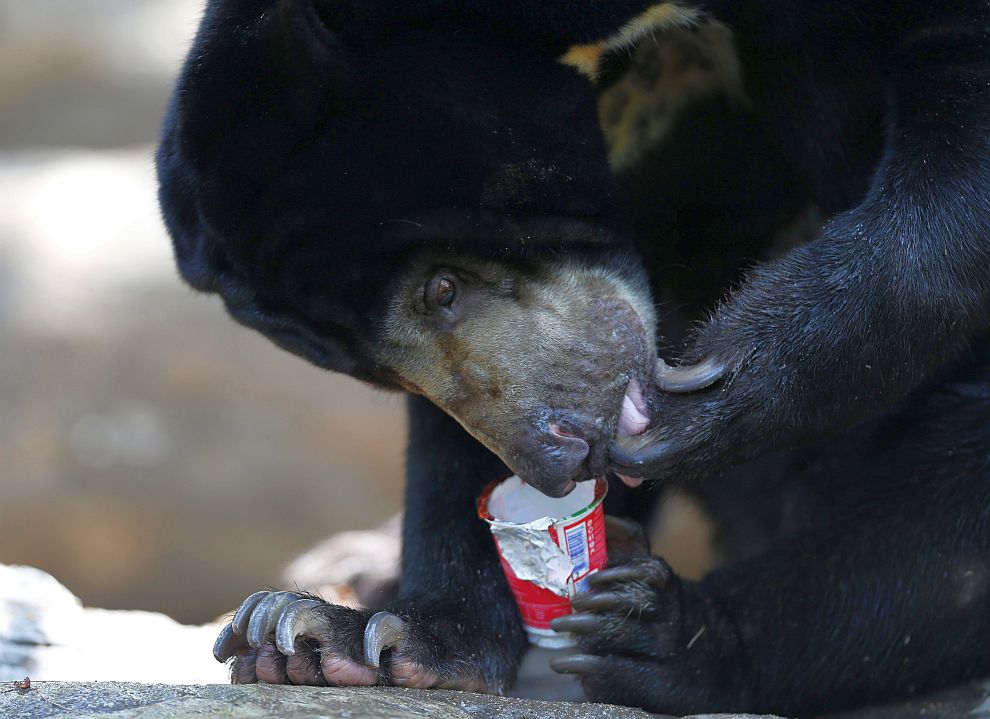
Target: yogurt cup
x: 548, y: 548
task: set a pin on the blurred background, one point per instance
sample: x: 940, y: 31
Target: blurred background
x: 153, y: 454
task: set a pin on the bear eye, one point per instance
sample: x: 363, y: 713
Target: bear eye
x: 441, y: 291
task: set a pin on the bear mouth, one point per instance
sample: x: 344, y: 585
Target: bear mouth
x: 634, y: 419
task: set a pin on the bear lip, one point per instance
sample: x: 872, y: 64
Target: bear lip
x: 630, y: 481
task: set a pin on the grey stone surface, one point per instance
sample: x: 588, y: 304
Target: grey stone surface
x: 62, y: 700
x: 158, y: 701
x: 971, y: 701
x: 46, y: 633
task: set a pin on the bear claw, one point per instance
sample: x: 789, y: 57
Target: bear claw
x: 284, y: 637
x: 579, y: 664
x: 266, y: 615
x: 290, y: 625
x: 384, y: 631
x: 227, y: 644
x: 577, y: 623
x: 239, y: 624
x: 600, y: 602
x: 257, y: 618
x: 689, y: 378
x: 648, y: 572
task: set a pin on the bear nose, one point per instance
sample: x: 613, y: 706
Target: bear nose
x: 568, y: 447
x: 561, y: 463
x: 551, y: 455
x: 572, y: 435
x: 575, y: 425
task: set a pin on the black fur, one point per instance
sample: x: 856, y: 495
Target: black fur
x: 296, y: 156
x: 308, y: 143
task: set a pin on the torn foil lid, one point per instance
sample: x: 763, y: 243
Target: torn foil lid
x: 533, y: 555
x: 521, y: 518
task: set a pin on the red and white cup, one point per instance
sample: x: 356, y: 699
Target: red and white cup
x: 548, y: 547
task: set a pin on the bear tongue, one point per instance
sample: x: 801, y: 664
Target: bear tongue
x: 633, y: 418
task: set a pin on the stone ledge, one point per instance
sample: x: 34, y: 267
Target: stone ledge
x: 118, y: 700
x: 65, y: 700
x: 46, y: 633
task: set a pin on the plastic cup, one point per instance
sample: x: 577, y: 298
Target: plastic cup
x: 548, y: 548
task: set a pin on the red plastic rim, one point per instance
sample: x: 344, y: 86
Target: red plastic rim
x: 601, y: 489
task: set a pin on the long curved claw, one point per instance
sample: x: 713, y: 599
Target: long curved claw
x: 227, y: 644
x: 577, y: 623
x: 239, y: 623
x: 645, y: 458
x: 291, y: 625
x: 600, y: 602
x: 579, y: 664
x: 689, y: 378
x: 266, y: 615
x: 384, y: 630
x: 650, y: 573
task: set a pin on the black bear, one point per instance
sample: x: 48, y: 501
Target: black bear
x: 477, y: 203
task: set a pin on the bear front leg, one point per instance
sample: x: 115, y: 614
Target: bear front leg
x: 455, y: 624
x: 891, y: 294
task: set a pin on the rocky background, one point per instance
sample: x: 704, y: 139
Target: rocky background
x: 153, y: 455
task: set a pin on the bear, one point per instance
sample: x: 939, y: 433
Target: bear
x: 480, y: 204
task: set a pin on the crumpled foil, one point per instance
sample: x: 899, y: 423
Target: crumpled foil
x: 533, y: 555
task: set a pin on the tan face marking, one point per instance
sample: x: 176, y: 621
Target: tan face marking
x: 521, y: 354
x: 676, y: 58
x: 657, y: 19
x: 663, y: 79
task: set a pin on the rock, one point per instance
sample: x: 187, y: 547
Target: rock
x: 45, y: 633
x: 58, y: 700
x: 970, y: 700
x: 158, y: 701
